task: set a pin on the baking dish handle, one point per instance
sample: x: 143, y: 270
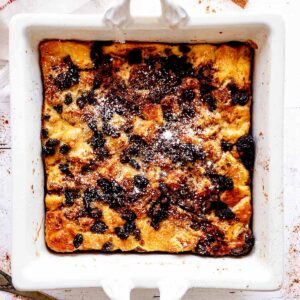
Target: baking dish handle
x: 171, y: 14
x: 117, y: 289
x: 172, y: 289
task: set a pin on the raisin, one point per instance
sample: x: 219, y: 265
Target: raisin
x: 114, y: 200
x: 200, y: 225
x: 152, y: 61
x: 48, y: 151
x: 46, y: 117
x: 52, y: 142
x: 201, y: 248
x: 246, y: 148
x: 90, y: 194
x: 168, y: 51
x: 110, y: 187
x: 137, y: 234
x: 124, y: 158
x: 71, y: 77
x: 158, y: 211
x: 65, y: 80
x: 122, y: 109
x: 249, y: 238
x: 128, y: 215
x: 106, y: 69
x: 88, y: 167
x: 97, y: 141
x: 68, y: 99
x: 97, y: 81
x: 189, y: 112
x: 178, y: 65
x: 210, y: 238
x: 184, y: 48
x: 82, y: 213
x: 78, y: 240
x: 106, y: 114
x: 137, y: 140
x: 148, y: 155
x: 222, y: 182
x: 188, y: 95
x: 105, y: 185
x: 133, y: 163
x: 95, y: 213
x: 211, y: 102
x: 225, y: 214
x: 109, y: 130
x: 249, y: 242
x: 206, y: 202
x: 133, y: 149
x: 116, y: 188
x: 58, y: 108
x: 122, y: 233
x: 206, y: 88
x: 96, y: 54
x: 226, y: 183
x: 195, y: 226
x: 164, y: 190
x: 64, y: 168
x: 223, y: 211
x: 135, y: 56
x: 238, y: 96
x: 91, y: 98
x: 93, y: 126
x: 247, y: 247
x: 99, y: 227
x: 107, y: 247
x: 64, y: 149
x: 102, y: 153
x: 128, y: 229
x: 140, y: 181
x: 45, y: 133
x: 186, y: 153
x: 226, y: 146
x: 70, y: 195
x: 86, y: 98
x: 81, y: 101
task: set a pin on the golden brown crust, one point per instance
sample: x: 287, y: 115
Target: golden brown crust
x: 146, y: 147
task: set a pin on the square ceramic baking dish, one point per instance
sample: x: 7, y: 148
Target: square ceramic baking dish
x: 35, y: 267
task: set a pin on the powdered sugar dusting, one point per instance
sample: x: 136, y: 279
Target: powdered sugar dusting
x: 167, y: 135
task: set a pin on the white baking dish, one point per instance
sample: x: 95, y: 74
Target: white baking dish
x: 35, y: 267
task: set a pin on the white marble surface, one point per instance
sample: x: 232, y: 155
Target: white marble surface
x: 290, y: 10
